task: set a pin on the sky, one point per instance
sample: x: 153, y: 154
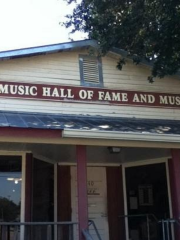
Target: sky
x: 28, y: 23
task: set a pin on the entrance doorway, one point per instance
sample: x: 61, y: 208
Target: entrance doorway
x: 147, y: 200
x: 97, y: 200
x: 43, y: 192
x: 42, y: 198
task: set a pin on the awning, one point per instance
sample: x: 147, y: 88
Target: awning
x: 91, y: 123
x: 96, y: 126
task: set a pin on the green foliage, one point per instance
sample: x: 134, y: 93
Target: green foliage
x: 146, y: 29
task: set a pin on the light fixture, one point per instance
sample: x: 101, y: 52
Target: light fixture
x: 10, y: 179
x: 114, y: 149
x: 16, y: 180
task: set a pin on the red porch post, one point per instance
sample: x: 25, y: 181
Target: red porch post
x: 82, y: 189
x: 174, y: 172
x: 115, y: 207
x: 28, y: 187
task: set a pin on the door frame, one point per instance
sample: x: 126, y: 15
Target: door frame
x: 141, y: 163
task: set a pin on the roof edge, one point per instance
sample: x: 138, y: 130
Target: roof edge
x: 119, y: 135
x: 125, y: 54
x: 52, y: 48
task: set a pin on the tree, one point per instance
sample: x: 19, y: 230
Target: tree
x: 9, y: 211
x: 146, y: 29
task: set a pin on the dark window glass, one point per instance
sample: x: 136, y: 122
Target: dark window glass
x: 10, y: 188
x: 43, y: 191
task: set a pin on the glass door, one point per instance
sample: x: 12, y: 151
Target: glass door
x: 147, y: 200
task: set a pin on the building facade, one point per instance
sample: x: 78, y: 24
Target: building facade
x: 82, y: 143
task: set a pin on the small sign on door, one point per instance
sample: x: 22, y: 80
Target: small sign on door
x: 93, y: 188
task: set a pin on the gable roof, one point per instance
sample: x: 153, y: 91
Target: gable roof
x: 55, y: 48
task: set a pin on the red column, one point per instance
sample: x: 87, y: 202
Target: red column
x: 115, y: 202
x: 82, y: 189
x: 28, y: 187
x: 63, y: 200
x: 174, y: 173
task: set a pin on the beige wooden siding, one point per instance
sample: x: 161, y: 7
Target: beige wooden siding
x: 133, y: 77
x: 60, y: 68
x: 63, y: 68
x: 90, y: 109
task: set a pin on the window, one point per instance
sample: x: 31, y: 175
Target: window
x: 90, y: 71
x: 10, y: 188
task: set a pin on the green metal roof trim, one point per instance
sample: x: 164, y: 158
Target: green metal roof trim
x: 41, y: 50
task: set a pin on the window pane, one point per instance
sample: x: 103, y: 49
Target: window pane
x: 10, y: 188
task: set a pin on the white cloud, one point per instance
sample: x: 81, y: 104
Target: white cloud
x: 27, y: 23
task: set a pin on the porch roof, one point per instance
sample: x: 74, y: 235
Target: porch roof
x: 89, y: 123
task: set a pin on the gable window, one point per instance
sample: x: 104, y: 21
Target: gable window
x: 90, y: 71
